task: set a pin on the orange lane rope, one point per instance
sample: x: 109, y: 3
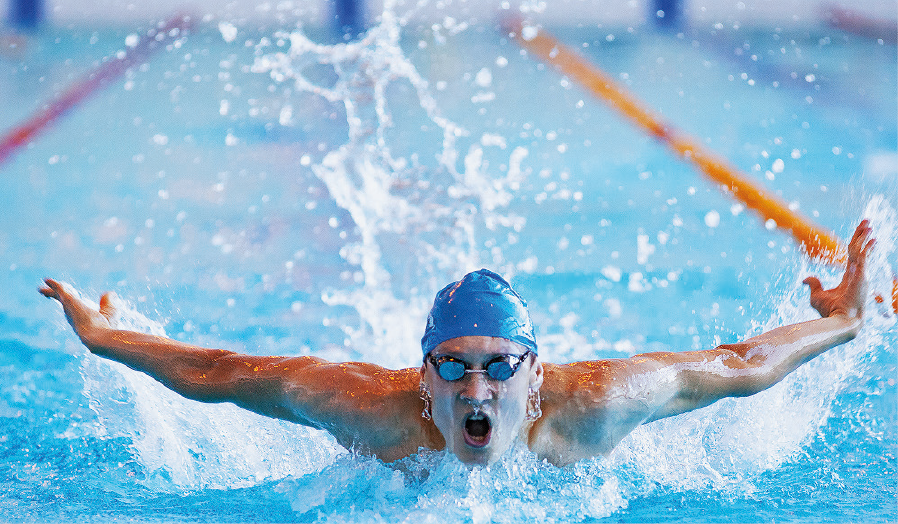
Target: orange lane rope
x: 816, y: 242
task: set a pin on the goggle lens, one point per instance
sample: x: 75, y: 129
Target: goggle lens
x: 500, y: 368
x: 450, y: 369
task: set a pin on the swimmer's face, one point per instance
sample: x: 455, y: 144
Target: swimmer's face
x: 479, y: 416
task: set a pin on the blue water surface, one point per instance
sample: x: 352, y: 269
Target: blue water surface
x: 265, y: 191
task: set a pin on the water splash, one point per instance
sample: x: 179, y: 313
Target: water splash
x: 436, y: 487
x: 188, y: 445
x: 417, y: 225
x: 729, y: 444
x: 425, y: 229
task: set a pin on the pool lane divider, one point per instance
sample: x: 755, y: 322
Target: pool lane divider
x: 855, y: 22
x: 154, y: 39
x: 817, y: 243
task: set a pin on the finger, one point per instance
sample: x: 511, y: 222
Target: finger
x: 868, y: 247
x: 813, y: 283
x: 860, y: 233
x: 858, y: 252
x: 50, y: 289
x: 856, y: 246
x: 106, y: 307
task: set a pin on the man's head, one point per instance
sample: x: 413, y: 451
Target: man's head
x: 480, y: 366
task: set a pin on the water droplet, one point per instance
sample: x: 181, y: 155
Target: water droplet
x: 228, y: 31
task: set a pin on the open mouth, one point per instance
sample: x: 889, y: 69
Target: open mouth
x: 478, y: 429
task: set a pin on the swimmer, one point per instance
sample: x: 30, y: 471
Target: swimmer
x: 481, y: 386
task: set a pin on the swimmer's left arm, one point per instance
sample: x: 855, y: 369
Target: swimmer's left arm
x: 751, y: 366
x: 748, y: 367
x: 590, y: 406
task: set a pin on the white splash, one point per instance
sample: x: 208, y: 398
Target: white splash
x: 188, y: 445
x: 423, y: 229
x: 436, y: 487
x: 732, y: 441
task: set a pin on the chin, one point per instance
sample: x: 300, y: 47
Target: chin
x: 478, y: 457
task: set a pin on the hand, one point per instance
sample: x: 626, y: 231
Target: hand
x: 848, y: 297
x: 85, y: 320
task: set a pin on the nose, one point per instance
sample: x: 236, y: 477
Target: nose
x: 475, y: 388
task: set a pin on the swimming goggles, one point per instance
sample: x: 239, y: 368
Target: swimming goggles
x: 502, y: 367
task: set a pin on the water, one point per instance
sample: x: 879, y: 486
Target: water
x: 238, y: 194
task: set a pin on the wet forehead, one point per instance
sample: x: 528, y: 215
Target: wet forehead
x: 476, y: 346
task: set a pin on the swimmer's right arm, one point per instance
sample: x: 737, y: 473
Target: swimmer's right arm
x: 362, y: 405
x: 207, y: 375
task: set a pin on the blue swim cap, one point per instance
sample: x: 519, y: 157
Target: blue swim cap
x: 480, y: 304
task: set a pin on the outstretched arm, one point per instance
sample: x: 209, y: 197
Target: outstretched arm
x: 591, y: 406
x: 758, y: 363
x: 363, y: 405
x: 208, y: 375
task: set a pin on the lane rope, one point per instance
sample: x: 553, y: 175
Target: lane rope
x: 154, y: 39
x: 817, y: 243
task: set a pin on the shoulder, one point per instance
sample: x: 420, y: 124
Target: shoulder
x: 563, y: 381
x: 359, y: 383
x: 367, y: 407
x: 588, y: 407
x: 601, y: 384
x: 572, y: 386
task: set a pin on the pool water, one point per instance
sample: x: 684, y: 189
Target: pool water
x: 256, y: 190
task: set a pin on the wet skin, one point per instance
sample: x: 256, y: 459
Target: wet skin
x: 503, y: 404
x: 588, y: 407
